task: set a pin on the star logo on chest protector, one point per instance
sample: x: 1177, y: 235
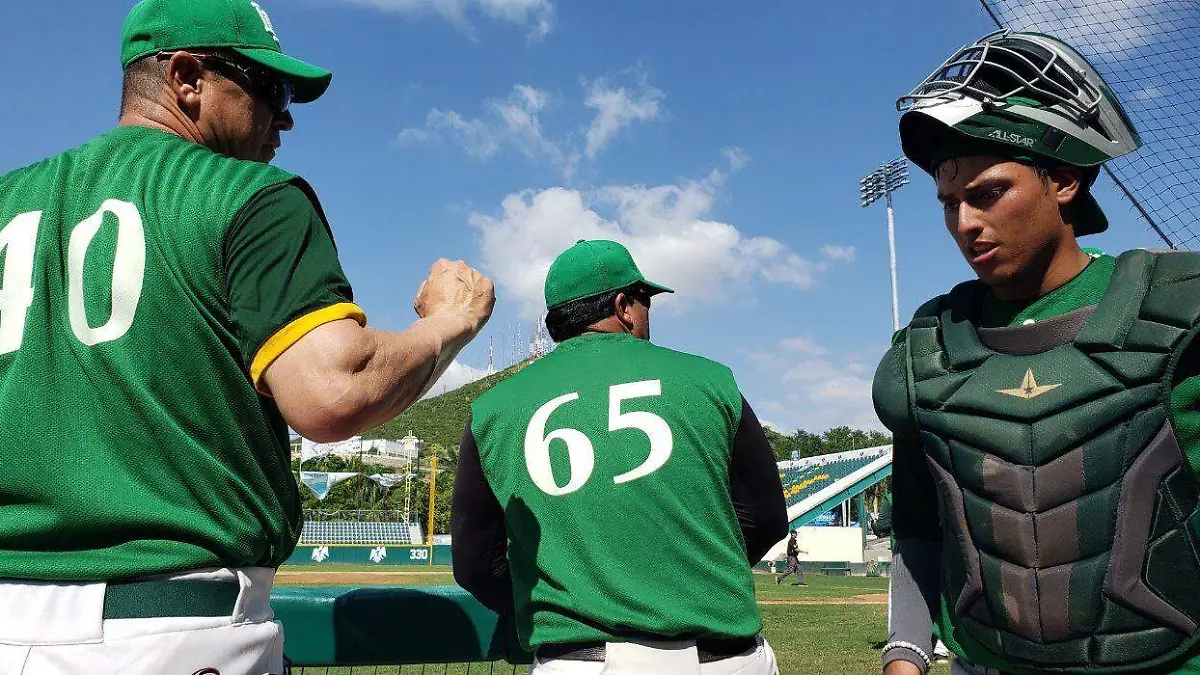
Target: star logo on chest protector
x: 1029, y: 387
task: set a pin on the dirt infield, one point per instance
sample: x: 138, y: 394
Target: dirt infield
x: 341, y: 578
x: 868, y: 599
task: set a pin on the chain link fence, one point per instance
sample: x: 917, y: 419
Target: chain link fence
x: 355, y: 516
x: 1149, y: 53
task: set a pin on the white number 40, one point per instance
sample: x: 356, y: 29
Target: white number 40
x: 18, y: 242
x: 580, y: 452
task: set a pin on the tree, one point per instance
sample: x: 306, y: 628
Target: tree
x: 808, y: 445
x: 780, y: 443
x: 841, y: 439
x: 876, y: 438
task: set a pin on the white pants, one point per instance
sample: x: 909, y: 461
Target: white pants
x: 58, y: 629
x: 662, y: 658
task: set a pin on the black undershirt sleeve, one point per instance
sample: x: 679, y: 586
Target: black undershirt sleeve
x: 755, y: 487
x: 280, y: 264
x: 479, y: 542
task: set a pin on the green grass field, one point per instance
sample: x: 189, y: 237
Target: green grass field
x: 814, y: 629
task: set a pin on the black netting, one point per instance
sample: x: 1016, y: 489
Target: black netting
x: 1149, y: 53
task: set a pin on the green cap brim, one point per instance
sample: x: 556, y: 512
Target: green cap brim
x: 308, y: 81
x: 1089, y: 217
x: 652, y: 288
x: 655, y: 289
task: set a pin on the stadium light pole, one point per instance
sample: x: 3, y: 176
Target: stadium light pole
x: 882, y: 182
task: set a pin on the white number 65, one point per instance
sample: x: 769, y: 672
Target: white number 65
x: 581, y: 453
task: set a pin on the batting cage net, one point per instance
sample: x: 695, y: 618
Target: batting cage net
x: 1149, y: 53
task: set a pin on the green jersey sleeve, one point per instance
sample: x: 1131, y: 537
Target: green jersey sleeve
x: 283, y: 277
x: 1185, y: 404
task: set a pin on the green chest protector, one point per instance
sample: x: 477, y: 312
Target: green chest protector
x: 1068, y: 509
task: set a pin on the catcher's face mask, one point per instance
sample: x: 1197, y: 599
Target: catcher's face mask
x: 1023, y: 96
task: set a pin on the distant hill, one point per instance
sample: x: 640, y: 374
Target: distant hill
x: 441, y: 419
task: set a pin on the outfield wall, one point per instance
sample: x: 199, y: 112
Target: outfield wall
x: 831, y: 543
x: 382, y: 554
x: 843, y: 544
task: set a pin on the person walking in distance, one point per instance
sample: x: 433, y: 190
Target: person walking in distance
x: 793, y: 561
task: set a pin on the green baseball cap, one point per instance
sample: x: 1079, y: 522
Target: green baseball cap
x: 241, y: 26
x: 928, y: 141
x: 593, y: 267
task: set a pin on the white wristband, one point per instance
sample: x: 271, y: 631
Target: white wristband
x: 901, y: 644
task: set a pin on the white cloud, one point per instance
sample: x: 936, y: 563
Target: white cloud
x: 536, y: 15
x: 737, y: 158
x: 617, y: 107
x: 771, y: 406
x: 843, y: 253
x: 667, y: 228
x: 838, y: 397
x: 825, y: 390
x: 513, y: 121
x: 773, y: 425
x: 456, y: 375
x: 857, y: 368
x: 812, y: 370
x: 516, y: 122
x: 804, y: 344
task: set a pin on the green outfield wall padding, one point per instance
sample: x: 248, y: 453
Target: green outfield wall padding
x: 348, y: 626
x: 369, y: 555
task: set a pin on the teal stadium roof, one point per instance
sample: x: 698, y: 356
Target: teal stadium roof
x: 815, y: 485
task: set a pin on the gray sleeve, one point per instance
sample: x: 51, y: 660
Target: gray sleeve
x: 913, y: 587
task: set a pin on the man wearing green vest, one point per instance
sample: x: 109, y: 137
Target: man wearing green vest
x: 1046, y: 415
x: 614, y: 494
x: 169, y: 306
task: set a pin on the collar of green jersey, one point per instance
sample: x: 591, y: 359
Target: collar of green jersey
x: 1087, y: 288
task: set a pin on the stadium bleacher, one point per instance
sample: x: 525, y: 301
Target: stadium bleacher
x: 805, y: 478
x: 320, y: 533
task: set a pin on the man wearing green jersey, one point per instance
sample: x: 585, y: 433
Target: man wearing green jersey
x: 1046, y: 415
x: 169, y: 305
x: 614, y: 494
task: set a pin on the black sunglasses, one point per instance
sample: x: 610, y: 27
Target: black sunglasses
x: 641, y: 295
x: 258, y: 81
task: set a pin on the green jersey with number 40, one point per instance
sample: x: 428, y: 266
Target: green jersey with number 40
x: 133, y: 440
x: 610, y: 458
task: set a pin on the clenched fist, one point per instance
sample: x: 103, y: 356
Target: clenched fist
x: 456, y: 289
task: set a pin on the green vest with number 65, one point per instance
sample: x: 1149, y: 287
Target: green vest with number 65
x: 610, y: 457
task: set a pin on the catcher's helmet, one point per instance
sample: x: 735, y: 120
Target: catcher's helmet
x: 1023, y: 96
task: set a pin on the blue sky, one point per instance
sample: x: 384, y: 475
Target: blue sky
x: 723, y: 145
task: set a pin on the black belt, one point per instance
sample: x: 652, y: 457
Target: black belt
x: 709, y: 649
x: 157, y: 599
